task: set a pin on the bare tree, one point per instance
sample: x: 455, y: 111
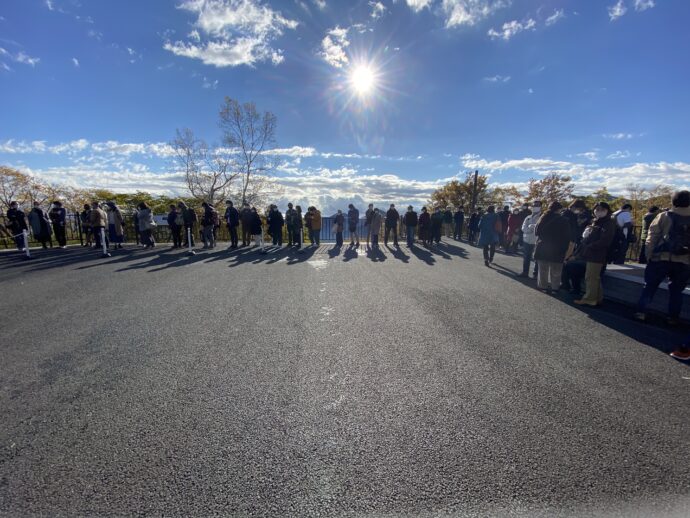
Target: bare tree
x: 249, y: 134
x: 13, y: 186
x: 209, y: 172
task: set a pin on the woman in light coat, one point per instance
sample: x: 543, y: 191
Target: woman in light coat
x: 116, y: 224
x: 146, y: 225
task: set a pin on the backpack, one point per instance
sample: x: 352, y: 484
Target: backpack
x: 677, y: 242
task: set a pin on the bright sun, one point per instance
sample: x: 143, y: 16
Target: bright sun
x: 362, y: 79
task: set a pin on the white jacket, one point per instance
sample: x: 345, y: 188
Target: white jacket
x: 528, y: 228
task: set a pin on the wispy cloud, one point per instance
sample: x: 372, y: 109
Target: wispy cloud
x: 643, y: 5
x: 208, y: 84
x: 321, y: 4
x: 470, y: 12
x: 619, y: 136
x: 20, y: 57
x: 510, y: 29
x: 235, y: 32
x: 558, y: 15
x: 619, y: 154
x: 418, y: 5
x: 497, y: 79
x: 75, y: 62
x: 617, y: 10
x: 377, y: 9
x: 333, y: 47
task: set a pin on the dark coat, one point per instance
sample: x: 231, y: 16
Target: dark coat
x: 459, y: 217
x: 172, y: 216
x: 474, y: 221
x: 553, y: 237
x: 595, y: 247
x: 210, y: 216
x: 352, y: 218
x: 17, y: 221
x: 436, y: 220
x: 189, y: 216
x: 487, y: 229
x: 232, y: 217
x: 275, y: 221
x: 424, y: 220
x: 392, y: 217
x: 40, y: 224
x: 292, y: 219
x: 58, y: 216
x: 255, y: 223
x: 410, y: 218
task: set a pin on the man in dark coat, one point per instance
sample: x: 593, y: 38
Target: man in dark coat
x: 436, y: 226
x: 410, y: 219
x: 553, y: 239
x: 275, y: 222
x: 58, y: 217
x: 291, y: 221
x: 503, y: 216
x: 392, y: 218
x: 352, y: 222
x: 473, y: 226
x: 459, y: 219
x: 232, y: 220
x: 17, y: 223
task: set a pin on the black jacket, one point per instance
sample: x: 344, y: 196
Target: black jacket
x: 189, y: 216
x: 392, y: 217
x: 275, y: 221
x: 352, y: 217
x: 596, y: 246
x: 232, y: 216
x: 17, y: 220
x: 410, y: 218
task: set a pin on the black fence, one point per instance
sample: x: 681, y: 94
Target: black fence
x: 77, y: 235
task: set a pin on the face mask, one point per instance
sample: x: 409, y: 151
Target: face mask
x: 536, y: 210
x: 577, y: 211
x: 600, y: 213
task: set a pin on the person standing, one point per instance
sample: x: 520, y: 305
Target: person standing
x: 146, y: 225
x: 116, y: 224
x: 275, y: 225
x: 489, y: 225
x: 85, y: 225
x: 352, y: 222
x: 473, y: 226
x: 553, y: 238
x: 513, y: 231
x: 208, y: 222
x: 315, y: 226
x: 652, y: 213
x: 256, y: 228
x: 58, y: 217
x: 529, y: 239
x: 98, y: 220
x: 338, y: 227
x: 410, y: 220
x: 232, y: 220
x: 668, y: 257
x: 367, y: 220
x: 448, y: 221
x: 425, y: 227
x: 392, y: 218
x: 437, y: 221
x: 246, y: 218
x: 175, y: 223
x: 189, y: 218
x: 458, y: 220
x: 40, y: 225
x: 291, y: 224
x: 625, y: 234
x: 375, y: 226
x: 596, y: 245
x: 17, y: 224
x: 299, y: 227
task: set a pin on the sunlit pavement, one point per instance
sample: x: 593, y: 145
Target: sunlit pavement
x: 328, y: 382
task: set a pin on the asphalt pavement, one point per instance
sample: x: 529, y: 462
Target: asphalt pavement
x: 409, y: 382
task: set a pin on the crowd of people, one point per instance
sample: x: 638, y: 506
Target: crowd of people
x: 566, y: 248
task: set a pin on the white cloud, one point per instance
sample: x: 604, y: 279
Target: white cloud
x: 377, y: 9
x: 619, y: 154
x: 75, y: 61
x: 558, y: 15
x: 321, y: 4
x: 208, y: 84
x: 590, y: 155
x: 643, y: 5
x: 618, y: 136
x: 5, y: 67
x: 617, y: 10
x: 333, y: 47
x: 294, y: 151
x: 530, y: 91
x: 238, y: 32
x: 510, y: 29
x: 418, y: 5
x: 49, y: 5
x: 20, y: 57
x: 469, y: 12
x: 497, y: 79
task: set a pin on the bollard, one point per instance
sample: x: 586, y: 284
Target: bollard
x: 103, y: 245
x: 189, y: 241
x: 25, y: 237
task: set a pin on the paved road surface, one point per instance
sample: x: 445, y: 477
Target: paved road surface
x: 408, y: 383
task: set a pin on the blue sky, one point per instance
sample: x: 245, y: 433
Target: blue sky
x: 93, y: 91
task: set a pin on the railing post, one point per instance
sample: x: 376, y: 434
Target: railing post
x: 25, y: 237
x: 189, y: 241
x: 104, y: 246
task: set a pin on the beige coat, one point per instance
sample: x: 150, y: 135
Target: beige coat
x: 98, y: 218
x: 115, y: 218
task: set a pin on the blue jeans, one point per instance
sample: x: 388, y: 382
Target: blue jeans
x: 654, y: 274
x: 314, y: 236
x: 527, y: 252
x: 410, y: 235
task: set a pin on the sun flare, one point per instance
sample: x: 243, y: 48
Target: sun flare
x: 363, y: 79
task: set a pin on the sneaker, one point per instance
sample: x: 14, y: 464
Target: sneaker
x: 487, y: 264
x: 682, y: 353
x: 639, y: 316
x: 522, y: 275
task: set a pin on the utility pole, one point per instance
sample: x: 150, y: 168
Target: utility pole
x: 474, y: 191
